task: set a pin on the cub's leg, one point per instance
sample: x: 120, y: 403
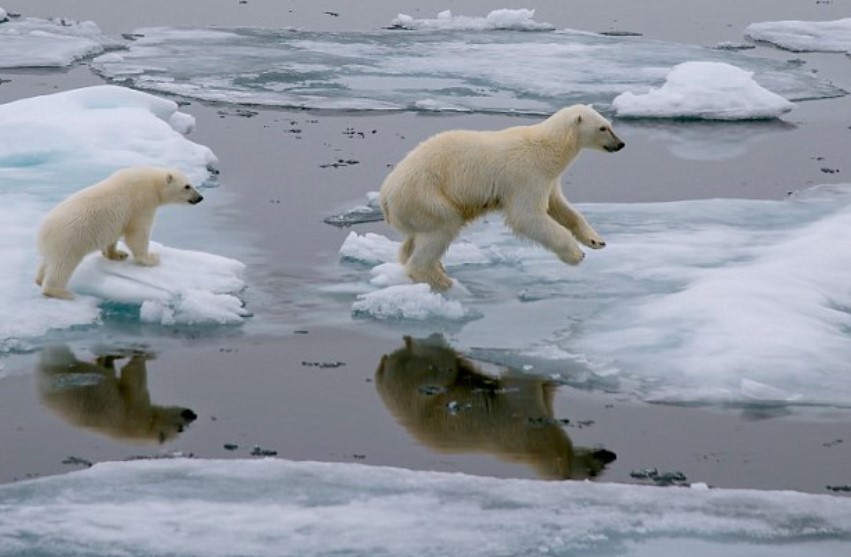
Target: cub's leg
x: 566, y: 215
x: 56, y: 276
x: 137, y: 240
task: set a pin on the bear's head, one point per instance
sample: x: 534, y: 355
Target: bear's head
x: 595, y: 132
x: 176, y: 188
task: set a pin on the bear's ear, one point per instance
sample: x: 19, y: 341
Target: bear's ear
x: 169, y: 179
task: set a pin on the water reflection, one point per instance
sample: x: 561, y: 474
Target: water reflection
x: 448, y: 404
x: 98, y: 396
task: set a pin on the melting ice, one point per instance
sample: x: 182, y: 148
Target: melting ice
x: 705, y: 91
x: 308, y: 509
x: 453, y: 63
x: 53, y: 145
x: 733, y: 301
x: 33, y: 42
x: 804, y: 36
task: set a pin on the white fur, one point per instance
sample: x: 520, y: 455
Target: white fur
x: 456, y: 176
x: 96, y: 217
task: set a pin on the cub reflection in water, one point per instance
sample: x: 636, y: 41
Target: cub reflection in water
x: 94, y: 395
x: 449, y: 405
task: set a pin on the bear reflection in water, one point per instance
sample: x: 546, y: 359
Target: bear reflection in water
x: 449, y: 405
x: 96, y: 396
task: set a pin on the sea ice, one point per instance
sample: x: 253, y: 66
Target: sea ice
x: 53, y: 145
x: 804, y: 36
x: 707, y: 301
x: 704, y: 91
x: 453, y: 63
x: 32, y: 42
x: 273, y: 507
x: 518, y: 20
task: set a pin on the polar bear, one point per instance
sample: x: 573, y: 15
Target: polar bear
x: 96, y: 217
x: 455, y: 176
x: 94, y: 395
x: 446, y: 403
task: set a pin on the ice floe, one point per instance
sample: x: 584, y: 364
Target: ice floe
x: 804, y: 36
x: 448, y: 66
x: 53, y: 145
x: 32, y: 42
x: 704, y: 91
x: 308, y: 509
x: 694, y: 302
x: 505, y: 19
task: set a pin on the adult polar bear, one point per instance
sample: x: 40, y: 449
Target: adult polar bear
x: 456, y: 176
x: 96, y: 217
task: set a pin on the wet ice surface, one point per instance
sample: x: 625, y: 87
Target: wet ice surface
x: 804, y: 36
x: 279, y: 507
x: 53, y: 145
x: 33, y: 42
x: 451, y: 66
x: 704, y: 91
x: 727, y: 301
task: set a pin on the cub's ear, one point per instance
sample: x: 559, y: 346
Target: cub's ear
x: 169, y: 179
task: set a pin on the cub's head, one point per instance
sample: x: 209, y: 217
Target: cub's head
x: 595, y: 132
x: 176, y: 188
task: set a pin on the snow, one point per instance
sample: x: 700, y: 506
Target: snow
x: 519, y: 20
x: 454, y: 63
x: 53, y: 145
x: 693, y: 302
x: 804, y: 36
x: 284, y: 508
x: 704, y: 91
x: 32, y: 42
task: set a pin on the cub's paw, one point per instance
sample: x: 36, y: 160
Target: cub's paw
x: 150, y: 260
x: 116, y: 255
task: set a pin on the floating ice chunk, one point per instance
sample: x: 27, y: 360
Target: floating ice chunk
x: 408, y: 301
x: 4, y: 17
x: 54, y: 145
x: 695, y: 302
x: 518, y: 20
x: 185, y: 288
x: 273, y: 507
x: 445, y: 69
x: 369, y: 248
x: 804, y: 36
x: 33, y: 42
x: 706, y: 91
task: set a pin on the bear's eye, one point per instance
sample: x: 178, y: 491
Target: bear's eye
x: 187, y: 186
x: 602, y: 128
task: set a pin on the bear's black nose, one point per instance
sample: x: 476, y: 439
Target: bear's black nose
x: 188, y: 415
x: 196, y: 200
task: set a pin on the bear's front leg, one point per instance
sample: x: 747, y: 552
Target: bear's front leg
x: 137, y: 241
x: 541, y: 228
x: 113, y: 253
x: 564, y: 214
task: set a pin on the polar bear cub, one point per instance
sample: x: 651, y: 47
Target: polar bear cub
x: 96, y: 217
x: 455, y: 176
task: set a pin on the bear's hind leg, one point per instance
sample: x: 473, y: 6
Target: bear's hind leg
x: 424, y: 262
x: 39, y: 275
x: 56, y: 278
x: 406, y: 249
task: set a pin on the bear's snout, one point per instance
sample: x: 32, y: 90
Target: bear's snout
x: 615, y: 148
x: 197, y: 198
